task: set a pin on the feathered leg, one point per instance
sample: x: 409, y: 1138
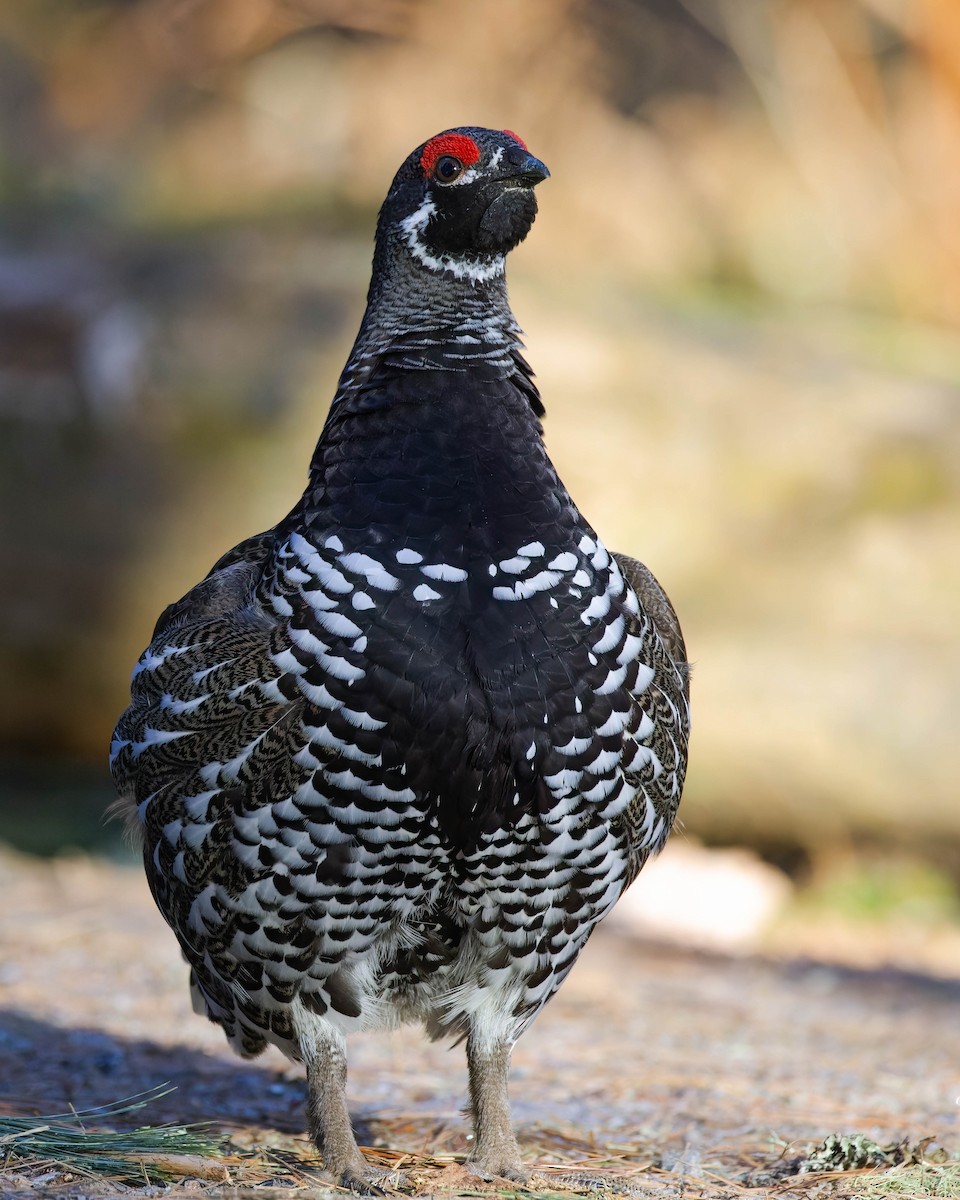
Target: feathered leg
x: 326, y: 1060
x: 495, y: 1151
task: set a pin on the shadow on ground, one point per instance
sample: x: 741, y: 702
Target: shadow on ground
x: 47, y: 1069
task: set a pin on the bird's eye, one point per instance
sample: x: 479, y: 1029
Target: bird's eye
x: 447, y: 169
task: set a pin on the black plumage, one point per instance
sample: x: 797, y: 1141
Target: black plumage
x: 396, y: 757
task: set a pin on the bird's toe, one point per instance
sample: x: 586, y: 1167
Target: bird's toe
x: 368, y: 1180
x: 488, y: 1170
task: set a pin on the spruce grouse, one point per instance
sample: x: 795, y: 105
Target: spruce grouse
x: 395, y: 758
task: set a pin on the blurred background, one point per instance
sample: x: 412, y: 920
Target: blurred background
x: 742, y: 300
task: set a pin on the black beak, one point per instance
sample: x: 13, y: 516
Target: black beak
x: 522, y: 166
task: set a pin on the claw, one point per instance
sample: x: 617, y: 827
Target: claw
x: 488, y: 1172
x: 366, y: 1181
x: 359, y: 1185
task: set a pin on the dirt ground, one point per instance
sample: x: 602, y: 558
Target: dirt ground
x: 683, y: 1070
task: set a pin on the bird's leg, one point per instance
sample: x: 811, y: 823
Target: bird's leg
x: 495, y: 1151
x: 329, y: 1120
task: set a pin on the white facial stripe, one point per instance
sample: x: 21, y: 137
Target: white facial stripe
x: 413, y: 226
x: 418, y: 221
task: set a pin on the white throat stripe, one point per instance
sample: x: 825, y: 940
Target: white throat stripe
x: 477, y: 272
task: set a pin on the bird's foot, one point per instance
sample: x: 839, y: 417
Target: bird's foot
x: 491, y: 1167
x: 364, y: 1179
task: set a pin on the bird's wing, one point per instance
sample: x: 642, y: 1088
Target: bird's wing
x: 223, y: 589
x: 208, y: 743
x: 657, y: 605
x: 665, y: 703
x: 209, y: 710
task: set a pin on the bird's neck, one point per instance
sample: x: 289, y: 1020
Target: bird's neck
x: 436, y: 414
x: 420, y: 317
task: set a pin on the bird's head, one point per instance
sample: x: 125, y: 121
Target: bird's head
x: 462, y: 200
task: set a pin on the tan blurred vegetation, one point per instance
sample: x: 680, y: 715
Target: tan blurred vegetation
x: 742, y: 299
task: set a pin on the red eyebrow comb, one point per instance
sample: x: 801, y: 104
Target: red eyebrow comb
x: 457, y: 144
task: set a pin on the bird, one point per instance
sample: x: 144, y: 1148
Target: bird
x: 395, y: 758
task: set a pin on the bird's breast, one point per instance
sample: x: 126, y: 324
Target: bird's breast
x: 493, y: 680
x: 458, y: 631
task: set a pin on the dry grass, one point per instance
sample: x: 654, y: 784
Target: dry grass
x: 59, y: 1153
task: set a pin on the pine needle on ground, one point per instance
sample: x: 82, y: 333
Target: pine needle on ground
x: 153, y: 1153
